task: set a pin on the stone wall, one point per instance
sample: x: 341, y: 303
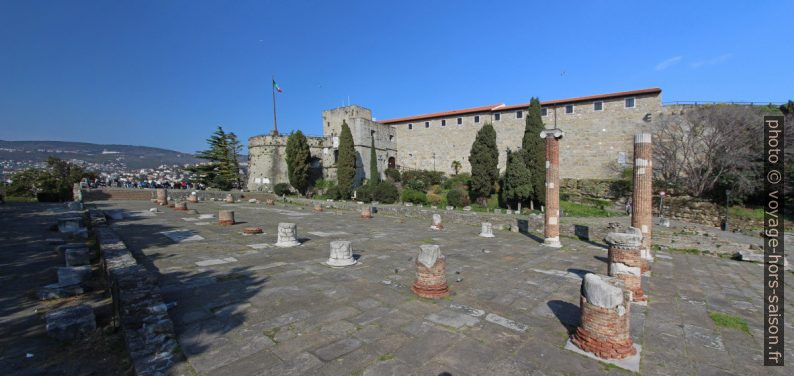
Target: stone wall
x: 267, y: 163
x: 148, y: 330
x: 689, y: 209
x: 118, y: 194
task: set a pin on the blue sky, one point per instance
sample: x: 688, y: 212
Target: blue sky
x: 166, y: 73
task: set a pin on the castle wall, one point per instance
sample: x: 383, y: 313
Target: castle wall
x: 267, y: 160
x: 594, y: 140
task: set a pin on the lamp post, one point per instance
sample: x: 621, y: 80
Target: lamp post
x: 434, y: 162
x: 661, y: 204
x: 727, y: 208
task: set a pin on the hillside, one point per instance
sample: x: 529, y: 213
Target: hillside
x: 124, y: 156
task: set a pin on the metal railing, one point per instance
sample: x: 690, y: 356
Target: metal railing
x: 705, y: 103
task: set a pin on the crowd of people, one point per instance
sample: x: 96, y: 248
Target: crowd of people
x: 124, y: 183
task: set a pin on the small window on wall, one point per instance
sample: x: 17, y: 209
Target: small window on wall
x: 391, y: 137
x: 460, y: 121
x: 569, y: 109
x: 629, y: 102
x: 598, y: 106
x: 443, y: 123
x: 497, y: 116
x: 328, y: 124
x: 427, y: 124
x: 410, y: 126
x: 476, y: 118
x: 543, y: 112
x: 519, y: 114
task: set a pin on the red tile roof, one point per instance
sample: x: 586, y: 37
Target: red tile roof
x: 502, y: 107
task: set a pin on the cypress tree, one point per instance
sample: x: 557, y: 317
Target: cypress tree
x: 517, y: 185
x: 298, y: 161
x: 535, y: 151
x: 374, y: 177
x: 346, y: 163
x: 484, y: 159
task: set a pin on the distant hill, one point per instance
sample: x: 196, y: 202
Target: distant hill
x: 131, y: 157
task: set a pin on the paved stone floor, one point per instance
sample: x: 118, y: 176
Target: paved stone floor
x: 245, y: 307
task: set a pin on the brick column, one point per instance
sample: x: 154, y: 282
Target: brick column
x: 551, y: 216
x: 162, y: 196
x: 225, y: 217
x: 431, y: 278
x: 641, y: 209
x: 625, y: 262
x: 604, y: 325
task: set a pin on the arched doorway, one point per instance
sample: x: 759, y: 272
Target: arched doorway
x: 392, y: 162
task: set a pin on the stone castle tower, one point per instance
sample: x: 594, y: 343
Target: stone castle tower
x: 599, y: 136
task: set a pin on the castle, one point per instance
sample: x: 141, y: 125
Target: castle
x: 599, y: 131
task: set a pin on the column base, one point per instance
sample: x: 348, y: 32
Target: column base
x: 552, y: 242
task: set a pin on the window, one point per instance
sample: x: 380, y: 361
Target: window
x: 328, y: 124
x: 569, y: 109
x: 410, y: 126
x: 598, y: 106
x: 427, y: 124
x: 372, y: 133
x: 629, y: 102
x: 497, y: 116
x: 460, y: 120
x: 476, y: 118
x: 519, y: 114
x: 543, y: 112
x: 443, y: 123
x: 391, y: 137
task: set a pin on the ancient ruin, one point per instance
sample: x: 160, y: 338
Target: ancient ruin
x: 487, y: 230
x: 641, y: 213
x: 287, y: 235
x: 162, y: 197
x: 605, y: 317
x: 431, y: 279
x: 252, y: 230
x: 551, y: 215
x: 624, y: 260
x: 192, y: 198
x: 341, y: 254
x: 437, y: 225
x: 181, y: 206
x: 366, y: 212
x: 229, y: 199
x: 226, y: 217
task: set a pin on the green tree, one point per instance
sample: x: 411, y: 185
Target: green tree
x: 787, y: 108
x: 374, y: 177
x: 345, y: 163
x: 223, y: 169
x: 298, y: 161
x: 535, y: 151
x: 456, y: 166
x: 517, y: 185
x: 53, y: 183
x: 484, y: 159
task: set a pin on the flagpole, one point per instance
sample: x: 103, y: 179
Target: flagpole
x: 273, y: 91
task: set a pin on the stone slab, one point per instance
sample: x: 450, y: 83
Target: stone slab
x: 70, y: 323
x: 452, y: 318
x: 179, y: 236
x: 505, y: 322
x: 631, y: 363
x: 212, y: 262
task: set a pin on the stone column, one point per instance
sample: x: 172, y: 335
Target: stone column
x: 641, y: 209
x: 193, y: 197
x: 287, y: 235
x: 162, y: 197
x: 229, y: 199
x: 487, y: 230
x: 77, y: 192
x: 437, y: 225
x: 341, y: 254
x: 604, y: 325
x: 431, y: 278
x: 625, y: 262
x: 270, y: 201
x: 252, y: 230
x: 181, y: 206
x: 225, y: 217
x: 551, y: 216
x: 318, y: 208
x: 366, y: 212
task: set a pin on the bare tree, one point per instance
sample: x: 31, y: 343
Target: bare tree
x: 702, y: 148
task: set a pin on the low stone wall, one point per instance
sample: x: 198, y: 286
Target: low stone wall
x: 581, y: 190
x: 132, y: 194
x: 121, y: 194
x: 148, y: 330
x: 690, y: 209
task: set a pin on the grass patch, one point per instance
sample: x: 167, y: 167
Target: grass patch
x: 574, y: 209
x: 725, y: 320
x: 271, y: 333
x: 385, y: 357
x: 746, y: 213
x: 20, y: 199
x: 427, y: 241
x: 691, y: 251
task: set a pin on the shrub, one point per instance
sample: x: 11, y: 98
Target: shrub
x: 333, y: 193
x: 428, y: 177
x: 415, y: 184
x: 393, y: 174
x: 434, y: 198
x: 281, y: 189
x: 457, y: 198
x: 386, y: 192
x: 364, y: 193
x: 460, y: 181
x: 414, y: 196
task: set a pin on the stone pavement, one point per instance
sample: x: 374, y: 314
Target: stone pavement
x: 246, y: 307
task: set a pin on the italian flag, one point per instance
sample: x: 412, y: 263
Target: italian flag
x: 275, y: 86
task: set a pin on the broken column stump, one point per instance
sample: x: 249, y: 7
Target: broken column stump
x: 487, y: 230
x: 431, y: 279
x: 624, y: 260
x: 77, y: 256
x: 318, y: 208
x: 162, y: 197
x: 73, y: 275
x: 193, y: 198
x: 341, y: 254
x: 71, y: 323
x: 181, y: 206
x: 366, y: 212
x: 252, y: 230
x: 229, y: 199
x: 605, y: 318
x: 437, y: 225
x: 225, y: 217
x: 287, y: 235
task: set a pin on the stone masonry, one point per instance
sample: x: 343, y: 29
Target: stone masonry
x: 624, y: 260
x: 431, y: 279
x: 641, y: 211
x: 551, y: 216
x: 605, y: 318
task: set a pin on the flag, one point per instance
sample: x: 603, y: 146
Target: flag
x: 275, y: 86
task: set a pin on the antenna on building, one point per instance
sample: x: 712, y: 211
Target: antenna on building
x: 555, y: 116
